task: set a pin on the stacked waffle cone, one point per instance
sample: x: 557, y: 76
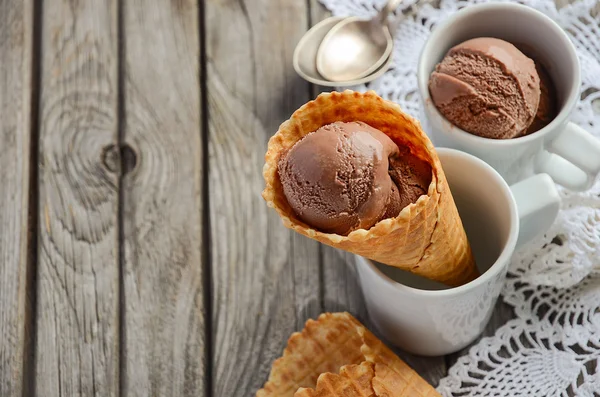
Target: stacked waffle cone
x: 427, y: 237
x: 336, y: 355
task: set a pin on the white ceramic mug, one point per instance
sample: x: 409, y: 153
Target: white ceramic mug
x: 428, y: 318
x: 569, y: 154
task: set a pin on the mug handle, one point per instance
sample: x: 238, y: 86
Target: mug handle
x: 538, y: 203
x: 573, y: 158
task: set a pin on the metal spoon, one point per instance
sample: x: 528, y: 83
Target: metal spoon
x: 305, y: 57
x: 356, y: 47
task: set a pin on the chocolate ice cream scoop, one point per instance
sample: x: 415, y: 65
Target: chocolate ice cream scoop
x: 348, y: 176
x: 487, y: 87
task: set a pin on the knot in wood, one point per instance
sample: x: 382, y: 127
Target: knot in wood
x: 119, y: 157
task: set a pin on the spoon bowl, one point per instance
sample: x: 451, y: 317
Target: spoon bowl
x: 305, y: 57
x: 356, y: 47
x: 353, y: 48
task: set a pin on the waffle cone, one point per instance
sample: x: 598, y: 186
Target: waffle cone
x: 336, y: 355
x: 427, y: 237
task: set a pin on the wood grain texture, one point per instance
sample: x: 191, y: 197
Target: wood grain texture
x: 15, y: 99
x: 265, y: 279
x: 162, y: 201
x: 341, y: 289
x: 77, y: 298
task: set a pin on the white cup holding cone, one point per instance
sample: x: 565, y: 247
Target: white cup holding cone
x: 427, y: 237
x: 565, y: 151
x: 428, y: 318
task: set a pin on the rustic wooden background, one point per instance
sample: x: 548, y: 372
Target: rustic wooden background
x: 137, y: 256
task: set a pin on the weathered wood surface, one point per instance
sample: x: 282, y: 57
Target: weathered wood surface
x: 146, y: 283
x: 15, y: 100
x: 265, y: 279
x: 163, y: 302
x: 77, y: 351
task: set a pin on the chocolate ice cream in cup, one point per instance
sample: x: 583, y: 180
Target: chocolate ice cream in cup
x: 561, y: 149
x: 427, y: 318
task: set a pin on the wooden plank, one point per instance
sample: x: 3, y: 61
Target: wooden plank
x: 341, y: 288
x: 265, y: 278
x: 78, y: 286
x: 15, y: 106
x: 162, y: 193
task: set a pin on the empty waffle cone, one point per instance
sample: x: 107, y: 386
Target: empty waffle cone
x: 427, y: 237
x: 337, y: 356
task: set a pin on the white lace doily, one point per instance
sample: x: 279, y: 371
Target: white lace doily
x: 552, y: 347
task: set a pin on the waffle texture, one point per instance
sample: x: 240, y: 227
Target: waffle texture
x: 336, y: 355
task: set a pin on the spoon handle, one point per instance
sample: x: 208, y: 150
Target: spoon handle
x: 387, y: 9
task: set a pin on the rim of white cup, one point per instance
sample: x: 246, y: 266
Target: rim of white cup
x: 501, y: 260
x: 467, y: 13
